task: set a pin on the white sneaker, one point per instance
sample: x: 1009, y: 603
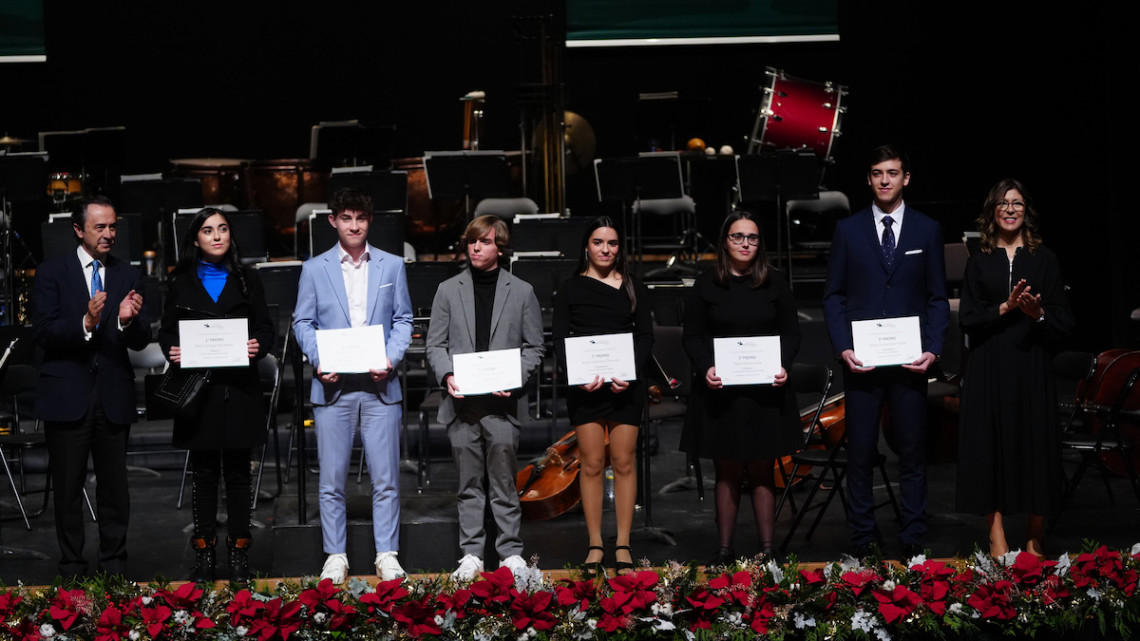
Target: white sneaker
x: 469, y: 567
x: 336, y: 568
x: 517, y: 565
x: 387, y: 567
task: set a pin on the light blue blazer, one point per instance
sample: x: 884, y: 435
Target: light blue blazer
x: 322, y: 303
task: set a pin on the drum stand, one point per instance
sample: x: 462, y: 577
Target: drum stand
x: 648, y: 531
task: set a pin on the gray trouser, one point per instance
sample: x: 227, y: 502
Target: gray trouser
x: 478, y: 444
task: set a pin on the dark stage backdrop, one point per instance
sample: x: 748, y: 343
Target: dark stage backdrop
x: 977, y: 92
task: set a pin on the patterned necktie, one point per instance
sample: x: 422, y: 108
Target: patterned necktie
x: 96, y: 281
x: 888, y: 239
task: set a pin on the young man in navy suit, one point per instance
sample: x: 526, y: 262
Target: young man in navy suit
x: 354, y: 285
x: 886, y: 262
x: 88, y: 310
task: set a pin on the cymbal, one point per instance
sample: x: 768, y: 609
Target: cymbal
x: 580, y: 143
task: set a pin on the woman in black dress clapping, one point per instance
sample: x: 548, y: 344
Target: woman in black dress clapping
x: 742, y: 428
x: 1016, y: 314
x: 603, y: 299
x: 210, y: 282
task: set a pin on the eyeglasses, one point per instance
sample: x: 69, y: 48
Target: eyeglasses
x: 739, y: 238
x: 1016, y: 205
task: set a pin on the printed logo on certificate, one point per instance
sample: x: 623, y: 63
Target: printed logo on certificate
x: 608, y: 356
x: 478, y: 373
x: 747, y: 360
x: 214, y: 342
x: 887, y: 341
x: 355, y: 350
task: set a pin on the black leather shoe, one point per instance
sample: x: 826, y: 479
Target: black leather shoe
x: 910, y: 550
x: 723, y: 556
x: 773, y: 554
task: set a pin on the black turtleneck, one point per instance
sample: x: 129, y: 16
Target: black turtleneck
x: 484, y: 283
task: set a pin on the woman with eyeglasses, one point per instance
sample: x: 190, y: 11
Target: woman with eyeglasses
x: 742, y: 428
x: 209, y: 282
x: 602, y: 298
x: 1016, y: 314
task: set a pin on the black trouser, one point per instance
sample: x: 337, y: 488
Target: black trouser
x: 232, y: 465
x: 69, y: 444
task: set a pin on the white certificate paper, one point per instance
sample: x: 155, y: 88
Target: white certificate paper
x: 497, y: 370
x: 887, y: 341
x: 351, y: 351
x: 214, y: 342
x: 609, y: 356
x: 747, y: 360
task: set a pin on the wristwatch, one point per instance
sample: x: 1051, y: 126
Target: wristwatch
x: 1041, y: 318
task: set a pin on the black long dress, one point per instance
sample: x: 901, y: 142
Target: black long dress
x: 586, y: 306
x: 740, y: 422
x: 232, y: 414
x: 1009, y: 437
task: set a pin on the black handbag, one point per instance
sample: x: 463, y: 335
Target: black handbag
x: 181, y: 390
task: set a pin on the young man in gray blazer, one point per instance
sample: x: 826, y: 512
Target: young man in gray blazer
x: 484, y: 308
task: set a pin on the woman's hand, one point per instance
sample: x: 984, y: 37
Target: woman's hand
x: 175, y: 354
x: 1030, y: 304
x: 618, y: 385
x: 1015, y: 294
x: 712, y: 380
x: 252, y: 348
x: 781, y: 378
x: 593, y: 386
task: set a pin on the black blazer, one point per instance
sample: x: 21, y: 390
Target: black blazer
x: 72, y: 366
x: 233, y: 413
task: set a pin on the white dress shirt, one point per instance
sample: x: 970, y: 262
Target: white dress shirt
x: 896, y: 215
x: 355, y: 285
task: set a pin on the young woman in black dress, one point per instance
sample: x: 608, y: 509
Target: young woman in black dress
x: 210, y: 282
x: 1016, y: 313
x: 603, y: 299
x: 743, y: 428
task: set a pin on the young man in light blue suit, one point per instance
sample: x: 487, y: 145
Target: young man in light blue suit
x: 354, y: 285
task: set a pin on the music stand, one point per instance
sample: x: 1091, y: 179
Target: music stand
x: 645, y: 177
x: 388, y: 189
x: 385, y: 232
x: 779, y: 177
x: 350, y: 143
x: 467, y: 175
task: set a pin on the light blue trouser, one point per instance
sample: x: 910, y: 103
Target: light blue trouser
x: 380, y: 434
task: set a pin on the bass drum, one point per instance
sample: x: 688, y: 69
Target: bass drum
x: 800, y: 114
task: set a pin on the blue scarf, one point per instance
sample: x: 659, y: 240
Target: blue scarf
x: 213, y: 277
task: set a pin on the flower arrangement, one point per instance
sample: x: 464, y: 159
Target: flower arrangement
x: 1092, y: 594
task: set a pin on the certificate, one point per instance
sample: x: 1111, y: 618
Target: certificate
x: 887, y: 341
x: 214, y: 342
x: 747, y: 360
x: 497, y: 370
x: 609, y: 356
x: 351, y: 351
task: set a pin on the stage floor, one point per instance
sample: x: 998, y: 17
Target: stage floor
x: 681, y: 526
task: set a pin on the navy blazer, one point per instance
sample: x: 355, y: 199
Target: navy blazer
x: 860, y: 285
x: 72, y: 366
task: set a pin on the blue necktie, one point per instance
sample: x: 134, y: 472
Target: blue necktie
x: 888, y: 239
x: 96, y: 281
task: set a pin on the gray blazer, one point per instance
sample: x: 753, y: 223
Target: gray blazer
x: 516, y: 321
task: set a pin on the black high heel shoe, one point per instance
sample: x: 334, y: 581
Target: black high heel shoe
x: 594, y: 569
x: 623, y: 567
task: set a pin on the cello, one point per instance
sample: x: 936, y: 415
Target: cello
x: 1113, y: 368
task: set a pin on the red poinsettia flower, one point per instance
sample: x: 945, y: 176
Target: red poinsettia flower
x: 494, y: 587
x: 858, y: 581
x: 992, y: 601
x: 110, y: 626
x: 315, y: 597
x: 705, y: 604
x: 418, y: 616
x: 1027, y: 569
x: 639, y: 587
x: 8, y: 603
x: 813, y: 577
x: 738, y: 586
x: 154, y: 618
x: 761, y: 616
x: 897, y: 603
x: 581, y: 592
x: 1054, y: 590
x: 386, y: 595
x: 456, y: 602
x: 243, y: 608
x: 277, y: 619
x: 530, y: 611
x: 67, y: 606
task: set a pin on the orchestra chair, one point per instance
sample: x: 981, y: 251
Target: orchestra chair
x: 811, y: 381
